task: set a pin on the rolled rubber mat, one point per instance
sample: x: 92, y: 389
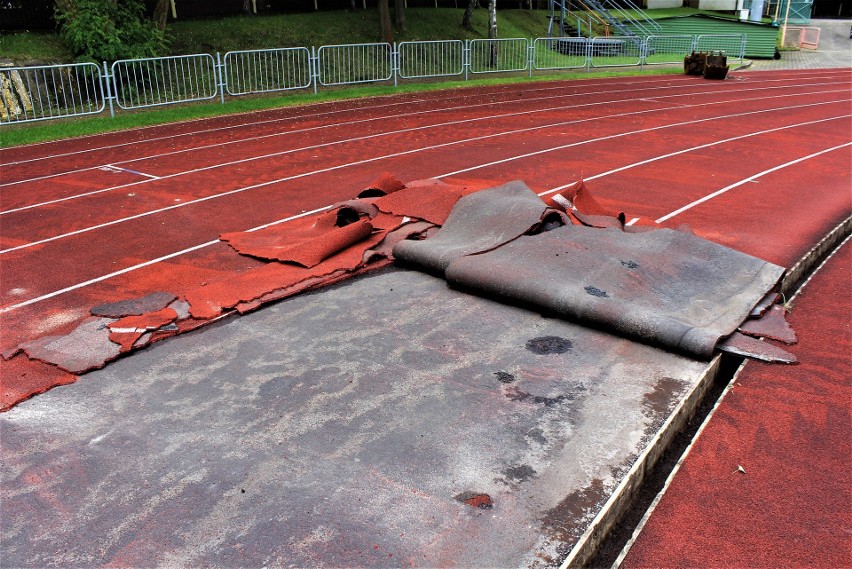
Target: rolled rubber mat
x: 662, y: 287
x: 478, y: 222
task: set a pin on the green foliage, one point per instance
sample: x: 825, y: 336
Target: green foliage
x: 107, y: 30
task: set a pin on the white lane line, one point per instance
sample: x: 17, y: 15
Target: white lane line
x: 335, y: 112
x: 413, y: 129
x: 396, y: 155
x: 619, y: 135
x: 209, y: 243
x: 562, y: 85
x: 692, y: 149
x: 749, y: 179
x: 148, y: 263
x: 418, y: 113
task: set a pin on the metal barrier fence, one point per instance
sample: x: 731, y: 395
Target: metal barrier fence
x: 354, y: 63
x: 266, y: 71
x: 422, y: 59
x: 560, y: 53
x: 615, y: 52
x: 159, y: 81
x: 498, y: 56
x: 46, y: 92
x: 662, y: 50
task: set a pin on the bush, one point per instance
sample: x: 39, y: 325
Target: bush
x: 107, y: 30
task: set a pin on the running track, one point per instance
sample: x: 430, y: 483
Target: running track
x: 760, y: 162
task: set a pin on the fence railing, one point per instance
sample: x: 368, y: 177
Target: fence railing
x: 56, y: 91
x: 50, y: 92
x: 267, y: 70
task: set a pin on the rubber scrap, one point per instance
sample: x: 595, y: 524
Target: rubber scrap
x: 127, y: 331
x: 385, y: 184
x: 664, y: 287
x: 210, y: 300
x: 773, y: 325
x: 134, y: 306
x: 428, y: 200
x: 22, y: 378
x: 306, y: 243
x: 746, y: 346
x: 479, y: 222
x: 85, y: 348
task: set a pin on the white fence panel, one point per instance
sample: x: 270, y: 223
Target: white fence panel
x: 422, y: 59
x: 499, y: 55
x: 355, y: 63
x: 560, y: 53
x: 50, y: 91
x: 267, y: 70
x: 158, y: 81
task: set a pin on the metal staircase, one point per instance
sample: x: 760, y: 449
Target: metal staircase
x: 607, y: 12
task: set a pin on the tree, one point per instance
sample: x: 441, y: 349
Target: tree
x: 468, y: 14
x: 161, y: 14
x: 107, y: 30
x: 399, y: 14
x: 492, y: 30
x: 385, y: 21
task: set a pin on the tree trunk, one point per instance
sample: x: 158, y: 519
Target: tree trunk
x: 385, y: 21
x: 468, y: 14
x: 399, y: 14
x: 492, y: 30
x: 161, y: 14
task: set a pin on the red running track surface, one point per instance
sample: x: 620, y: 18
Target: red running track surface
x: 117, y: 216
x: 789, y: 429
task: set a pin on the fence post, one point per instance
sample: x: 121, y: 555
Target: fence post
x: 219, y: 75
x: 466, y: 58
x: 107, y: 87
x: 742, y: 49
x: 643, y: 53
x: 694, y: 43
x: 314, y: 68
x: 531, y: 54
x: 395, y: 63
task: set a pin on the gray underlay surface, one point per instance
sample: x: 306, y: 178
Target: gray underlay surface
x: 341, y: 428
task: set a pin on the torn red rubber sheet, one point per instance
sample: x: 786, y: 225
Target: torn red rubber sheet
x: 306, y: 242
x: 350, y: 238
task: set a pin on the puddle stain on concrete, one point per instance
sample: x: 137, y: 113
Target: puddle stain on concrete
x: 549, y: 345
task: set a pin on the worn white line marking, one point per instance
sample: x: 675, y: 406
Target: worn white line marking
x: 395, y: 155
x: 749, y: 179
x: 693, y: 148
x: 418, y: 113
x: 147, y: 263
x: 670, y: 82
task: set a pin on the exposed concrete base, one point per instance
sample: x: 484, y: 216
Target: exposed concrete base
x: 342, y: 428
